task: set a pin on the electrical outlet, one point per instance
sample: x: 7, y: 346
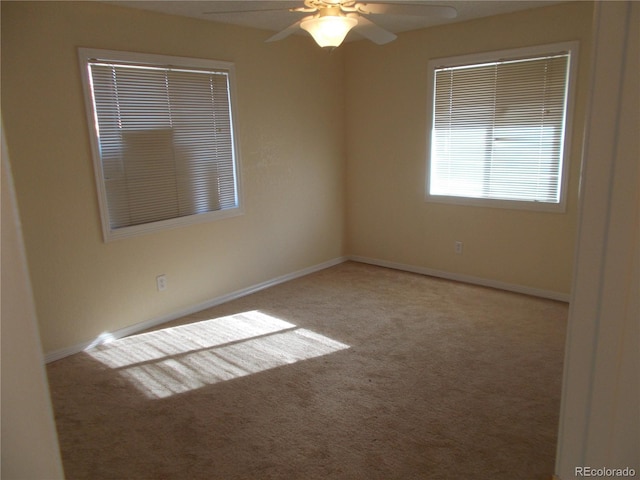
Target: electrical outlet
x: 458, y: 247
x: 161, y: 282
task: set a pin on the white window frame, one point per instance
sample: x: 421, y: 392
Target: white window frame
x: 505, y: 55
x: 89, y: 54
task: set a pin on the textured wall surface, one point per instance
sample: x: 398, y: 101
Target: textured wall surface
x: 291, y: 143
x: 388, y: 130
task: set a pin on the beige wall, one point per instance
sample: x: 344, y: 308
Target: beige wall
x: 293, y: 100
x: 386, y: 148
x: 289, y: 126
x: 29, y: 442
x: 601, y: 389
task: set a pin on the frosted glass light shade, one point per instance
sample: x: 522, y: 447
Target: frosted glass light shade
x: 329, y: 30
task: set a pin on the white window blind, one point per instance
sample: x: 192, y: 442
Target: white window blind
x: 164, y: 138
x: 499, y: 129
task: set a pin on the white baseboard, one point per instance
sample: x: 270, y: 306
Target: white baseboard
x: 536, y: 292
x: 138, y: 327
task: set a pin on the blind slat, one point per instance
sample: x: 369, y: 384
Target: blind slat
x: 498, y: 130
x: 166, y: 141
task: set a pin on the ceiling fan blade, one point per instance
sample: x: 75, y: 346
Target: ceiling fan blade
x: 407, y: 9
x: 251, y: 10
x: 373, y: 32
x: 286, y: 32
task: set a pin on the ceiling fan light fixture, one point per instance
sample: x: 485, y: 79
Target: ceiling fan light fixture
x: 329, y: 30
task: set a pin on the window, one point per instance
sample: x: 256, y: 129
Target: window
x: 498, y: 133
x: 162, y: 136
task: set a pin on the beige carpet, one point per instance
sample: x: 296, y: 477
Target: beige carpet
x: 354, y: 372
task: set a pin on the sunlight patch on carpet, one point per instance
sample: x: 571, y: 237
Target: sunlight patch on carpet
x: 179, y: 359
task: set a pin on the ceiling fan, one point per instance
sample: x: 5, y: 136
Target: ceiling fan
x: 330, y: 21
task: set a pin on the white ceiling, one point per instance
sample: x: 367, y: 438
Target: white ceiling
x: 274, y: 15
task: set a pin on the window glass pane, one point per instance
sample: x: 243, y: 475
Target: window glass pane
x: 498, y: 129
x: 164, y: 137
